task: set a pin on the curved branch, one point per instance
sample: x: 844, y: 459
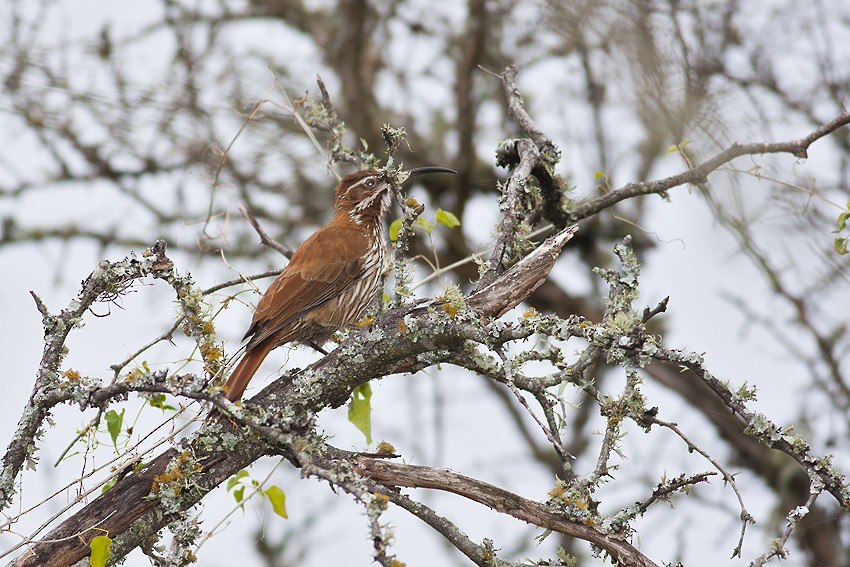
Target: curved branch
x: 699, y: 173
x: 500, y: 500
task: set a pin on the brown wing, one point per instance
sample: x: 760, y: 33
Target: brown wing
x: 335, y: 262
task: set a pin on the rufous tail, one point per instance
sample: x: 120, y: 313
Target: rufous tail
x: 244, y: 371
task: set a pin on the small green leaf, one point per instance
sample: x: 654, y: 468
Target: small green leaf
x: 447, y: 218
x: 114, y: 421
x: 158, y: 401
x: 109, y: 484
x: 677, y: 147
x: 278, y: 499
x: 395, y: 227
x: 425, y: 224
x: 360, y: 410
x: 842, y: 220
x: 239, y: 494
x: 840, y: 245
x: 99, y: 550
x: 234, y: 480
x: 598, y: 174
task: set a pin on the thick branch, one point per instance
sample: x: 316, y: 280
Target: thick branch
x: 396, y: 474
x: 514, y: 285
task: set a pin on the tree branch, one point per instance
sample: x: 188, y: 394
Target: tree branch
x: 503, y: 501
x: 699, y: 173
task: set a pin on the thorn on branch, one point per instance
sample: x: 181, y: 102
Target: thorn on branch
x: 39, y: 304
x: 660, y: 308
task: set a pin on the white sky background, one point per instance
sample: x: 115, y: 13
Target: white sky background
x: 695, y: 263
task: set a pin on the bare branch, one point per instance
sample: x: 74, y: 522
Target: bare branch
x: 264, y: 237
x: 396, y: 474
x: 699, y: 173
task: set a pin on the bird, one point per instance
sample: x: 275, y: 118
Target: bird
x: 331, y: 278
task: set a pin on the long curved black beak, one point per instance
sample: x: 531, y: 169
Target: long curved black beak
x: 430, y: 169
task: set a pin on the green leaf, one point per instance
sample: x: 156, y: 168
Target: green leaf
x: 395, y: 228
x: 842, y: 220
x: 677, y: 147
x: 109, y: 484
x: 840, y: 245
x: 598, y: 174
x: 234, y: 480
x: 278, y: 499
x: 447, y: 218
x: 239, y: 494
x: 114, y: 421
x: 158, y: 401
x: 360, y: 410
x: 99, y: 550
x: 425, y: 224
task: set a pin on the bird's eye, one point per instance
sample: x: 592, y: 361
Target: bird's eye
x: 370, y: 182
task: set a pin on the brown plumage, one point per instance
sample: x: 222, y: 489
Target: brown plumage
x: 330, y: 280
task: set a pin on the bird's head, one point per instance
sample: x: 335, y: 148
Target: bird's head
x: 364, y: 195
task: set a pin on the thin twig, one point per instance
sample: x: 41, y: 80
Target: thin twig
x: 746, y: 517
x: 264, y: 237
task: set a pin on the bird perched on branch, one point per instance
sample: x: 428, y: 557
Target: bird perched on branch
x: 330, y: 280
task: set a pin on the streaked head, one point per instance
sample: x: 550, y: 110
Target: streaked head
x: 365, y: 194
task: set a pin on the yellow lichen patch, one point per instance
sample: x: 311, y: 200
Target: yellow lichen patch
x: 411, y: 202
x: 381, y: 500
x: 133, y: 375
x: 364, y: 322
x: 397, y: 563
x: 212, y: 355
x: 211, y: 351
x: 530, y: 312
x: 175, y: 474
x: 167, y: 478
x: 557, y: 491
x: 402, y: 326
x: 385, y: 448
x: 72, y: 375
x: 452, y: 300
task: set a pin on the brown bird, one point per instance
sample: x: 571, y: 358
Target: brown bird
x: 330, y: 280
